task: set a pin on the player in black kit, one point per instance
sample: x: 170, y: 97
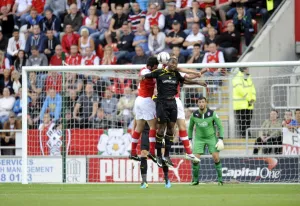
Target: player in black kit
x: 167, y: 81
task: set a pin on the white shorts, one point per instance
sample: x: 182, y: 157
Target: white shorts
x: 144, y: 108
x: 180, y: 109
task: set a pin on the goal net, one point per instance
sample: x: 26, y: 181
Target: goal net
x: 78, y: 121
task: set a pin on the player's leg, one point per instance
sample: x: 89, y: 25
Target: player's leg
x: 198, y: 149
x: 144, y: 153
x: 140, y: 123
x: 152, y: 138
x: 166, y: 176
x: 169, y: 137
x: 182, y: 131
x: 215, y: 154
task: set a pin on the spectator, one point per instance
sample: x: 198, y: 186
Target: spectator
x: 296, y: 123
x: 50, y: 22
x: 46, y: 123
x: 8, y: 3
x: 35, y: 84
x: 52, y: 105
x: 156, y: 40
x: 243, y: 23
x: 58, y: 58
x: 125, y: 106
x: 211, y: 38
x: 205, y: 3
x: 6, y: 105
x: 4, y: 62
x: 6, y: 22
x: 101, y: 122
x: 140, y: 57
x: 73, y: 83
x: 193, y: 15
x: 73, y: 19
x: 160, y: 4
x: 90, y: 22
x: 288, y: 119
x: 259, y: 7
x: 16, y: 84
x: 69, y: 4
x: 183, y: 5
x: 100, y: 84
x: 176, y: 53
x: 14, y: 45
x: 154, y: 18
x: 197, y: 56
x: 213, y: 56
x: 9, y: 138
x: 20, y: 61
x: 103, y: 23
x: 87, y: 103
x: 251, y: 92
x: 3, y: 41
x: 36, y: 58
x: 232, y: 10
x: 50, y: 43
x: 74, y: 58
x: 143, y: 4
x: 125, y: 47
x: 140, y: 38
x: 229, y: 42
x: 53, y: 81
x: 109, y: 105
x: 33, y: 19
x: 171, y: 17
x: 222, y: 6
x: 271, y: 136
x: 241, y: 100
x: 123, y: 3
x: 209, y: 20
x: 119, y: 84
x: 38, y: 5
x: 17, y: 108
x: 90, y: 58
x: 6, y: 82
x: 114, y: 32
x: 34, y: 108
x: 70, y: 105
x: 109, y: 58
x: 57, y: 6
x: 20, y: 11
x: 35, y: 39
x: 195, y: 37
x: 69, y: 39
x: 176, y: 37
x: 136, y: 17
x: 85, y: 42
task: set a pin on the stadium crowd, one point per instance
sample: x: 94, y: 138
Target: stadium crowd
x: 107, y: 32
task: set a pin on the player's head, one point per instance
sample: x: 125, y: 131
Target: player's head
x: 172, y: 63
x: 202, y: 102
x: 152, y: 62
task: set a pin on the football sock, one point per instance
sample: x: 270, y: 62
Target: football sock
x: 196, y: 168
x: 134, y: 142
x: 168, y: 144
x: 152, y: 141
x: 159, y: 144
x: 143, y: 168
x: 166, y: 172
x: 218, y: 167
x: 185, y: 141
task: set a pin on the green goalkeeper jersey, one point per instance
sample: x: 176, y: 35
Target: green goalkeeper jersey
x: 205, y: 125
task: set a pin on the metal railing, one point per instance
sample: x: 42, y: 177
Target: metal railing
x: 261, y: 146
x: 288, y: 96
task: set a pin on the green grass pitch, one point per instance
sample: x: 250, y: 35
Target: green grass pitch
x: 156, y: 195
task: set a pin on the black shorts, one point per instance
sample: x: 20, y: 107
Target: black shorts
x: 145, y: 139
x: 166, y: 111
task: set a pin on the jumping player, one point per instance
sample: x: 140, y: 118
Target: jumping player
x: 204, y: 120
x: 144, y: 108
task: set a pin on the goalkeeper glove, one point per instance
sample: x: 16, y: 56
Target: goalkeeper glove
x: 220, y: 145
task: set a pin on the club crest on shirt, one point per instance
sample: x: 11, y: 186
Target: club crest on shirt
x: 202, y: 124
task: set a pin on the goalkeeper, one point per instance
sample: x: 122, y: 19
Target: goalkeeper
x: 205, y: 119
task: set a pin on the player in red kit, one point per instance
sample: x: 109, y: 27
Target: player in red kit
x: 145, y: 111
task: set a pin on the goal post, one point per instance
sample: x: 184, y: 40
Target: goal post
x: 85, y: 163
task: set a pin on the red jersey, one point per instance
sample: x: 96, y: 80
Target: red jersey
x: 213, y: 58
x: 54, y: 82
x: 204, y: 5
x: 90, y: 61
x: 6, y: 2
x: 74, y: 60
x: 184, y: 3
x: 154, y: 20
x: 56, y: 61
x: 146, y: 86
x: 38, y: 5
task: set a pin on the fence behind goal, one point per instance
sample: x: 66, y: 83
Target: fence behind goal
x: 77, y: 127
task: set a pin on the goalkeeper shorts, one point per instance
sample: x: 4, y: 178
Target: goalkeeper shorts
x: 199, y: 145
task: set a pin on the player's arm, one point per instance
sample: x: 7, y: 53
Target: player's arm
x: 191, y: 127
x: 189, y: 81
x: 220, y: 144
x: 153, y: 74
x: 190, y: 72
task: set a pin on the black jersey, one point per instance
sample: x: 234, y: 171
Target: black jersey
x: 167, y: 82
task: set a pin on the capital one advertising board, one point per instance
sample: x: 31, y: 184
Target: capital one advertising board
x: 248, y: 169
